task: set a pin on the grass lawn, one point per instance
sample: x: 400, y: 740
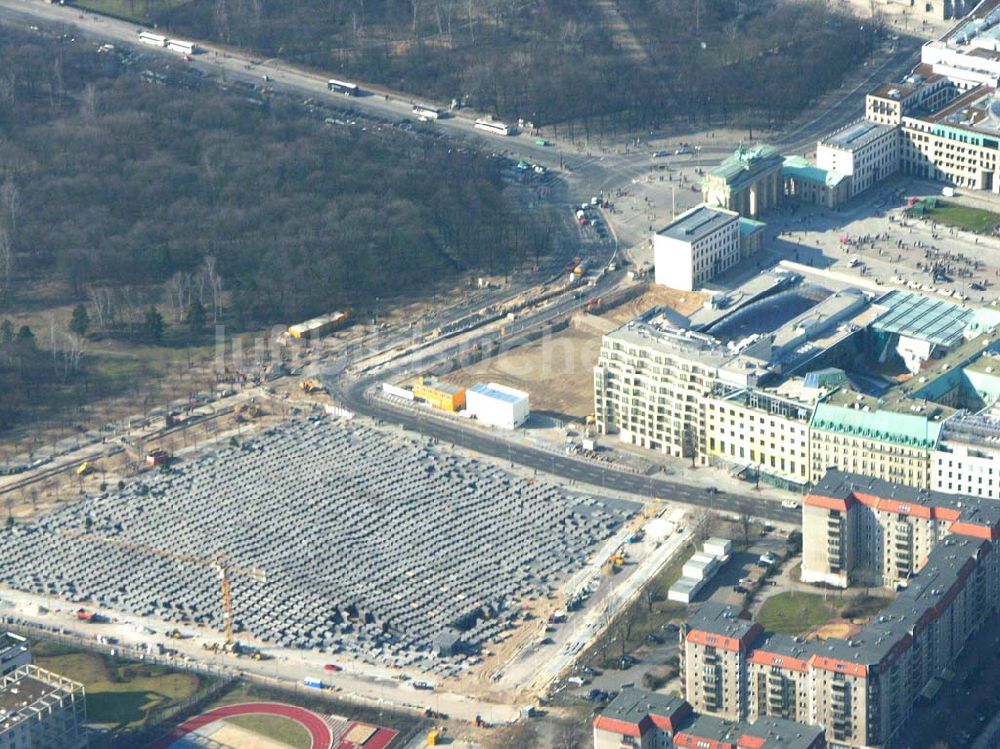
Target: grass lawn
x: 118, y: 694
x: 794, y: 613
x: 286, y: 731
x: 962, y: 217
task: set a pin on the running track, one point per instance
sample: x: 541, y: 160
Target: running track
x: 320, y: 732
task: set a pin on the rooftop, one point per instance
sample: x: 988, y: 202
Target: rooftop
x: 499, y: 392
x: 745, y: 164
x: 633, y: 705
x: 30, y: 690
x: 904, y: 499
x: 770, y: 733
x: 924, y: 318
x: 726, y: 621
x: 852, y: 413
x: 856, y: 135
x: 697, y: 223
x: 796, y: 166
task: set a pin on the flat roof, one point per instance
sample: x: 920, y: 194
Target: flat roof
x: 769, y: 732
x: 441, y: 385
x: 697, y: 223
x: 633, y: 705
x: 499, y: 392
x: 856, y: 135
x: 720, y: 619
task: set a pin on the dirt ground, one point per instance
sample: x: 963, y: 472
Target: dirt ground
x: 557, y: 370
x: 684, y: 302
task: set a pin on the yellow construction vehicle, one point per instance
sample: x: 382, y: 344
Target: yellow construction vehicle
x: 85, y: 469
x: 174, y: 634
x: 310, y: 387
x: 219, y: 564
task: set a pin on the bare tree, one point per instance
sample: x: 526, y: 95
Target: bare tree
x: 521, y: 735
x: 6, y: 264
x: 746, y: 522
x: 568, y: 736
x: 10, y: 202
x: 88, y: 105
x: 701, y: 525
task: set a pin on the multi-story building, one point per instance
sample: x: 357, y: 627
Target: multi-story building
x: 747, y: 182
x: 766, y: 431
x: 888, y: 440
x: 651, y: 379
x: 715, y: 660
x: 15, y: 652
x: 696, y: 246
x: 650, y: 720
x: 866, y: 151
x: 640, y: 719
x: 41, y: 710
x: 861, y: 529
x: 967, y: 458
x: 939, y: 550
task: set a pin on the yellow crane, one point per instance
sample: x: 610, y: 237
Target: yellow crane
x: 220, y: 564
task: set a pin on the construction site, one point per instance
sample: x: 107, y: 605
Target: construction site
x: 334, y: 536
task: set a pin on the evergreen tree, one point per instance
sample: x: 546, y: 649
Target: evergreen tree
x: 196, y: 316
x: 152, y: 326
x: 80, y: 321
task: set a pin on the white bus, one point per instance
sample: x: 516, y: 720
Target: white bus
x: 491, y: 126
x: 429, y: 113
x: 343, y: 87
x: 148, y: 37
x: 186, y: 48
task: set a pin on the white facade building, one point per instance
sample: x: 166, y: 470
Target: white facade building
x: 498, y: 405
x: 967, y: 458
x: 867, y: 151
x: 696, y: 246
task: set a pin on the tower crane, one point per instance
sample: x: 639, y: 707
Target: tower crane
x: 222, y: 566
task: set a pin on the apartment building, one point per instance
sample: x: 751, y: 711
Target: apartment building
x: 862, y: 690
x: 650, y: 720
x: 888, y: 440
x: 764, y: 431
x: 747, y: 182
x: 715, y: 660
x: 696, y: 247
x: 650, y: 381
x: 866, y: 151
x: 41, y: 710
x: 641, y: 719
x: 861, y: 529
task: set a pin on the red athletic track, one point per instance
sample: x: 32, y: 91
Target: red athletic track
x: 317, y: 727
x: 379, y: 740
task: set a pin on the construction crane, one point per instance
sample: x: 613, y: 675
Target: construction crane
x: 220, y: 564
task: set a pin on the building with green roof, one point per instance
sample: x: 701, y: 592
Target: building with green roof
x: 888, y: 441
x: 808, y: 183
x: 747, y: 182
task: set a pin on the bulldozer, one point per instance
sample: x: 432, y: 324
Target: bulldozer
x: 174, y: 634
x: 311, y: 387
x: 249, y: 411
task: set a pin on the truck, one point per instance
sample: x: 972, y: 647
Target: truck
x: 312, y: 683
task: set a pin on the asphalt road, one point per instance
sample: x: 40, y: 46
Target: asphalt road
x: 589, y: 172
x: 596, y: 475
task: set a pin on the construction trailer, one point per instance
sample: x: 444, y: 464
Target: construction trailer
x: 318, y: 326
x: 441, y: 395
